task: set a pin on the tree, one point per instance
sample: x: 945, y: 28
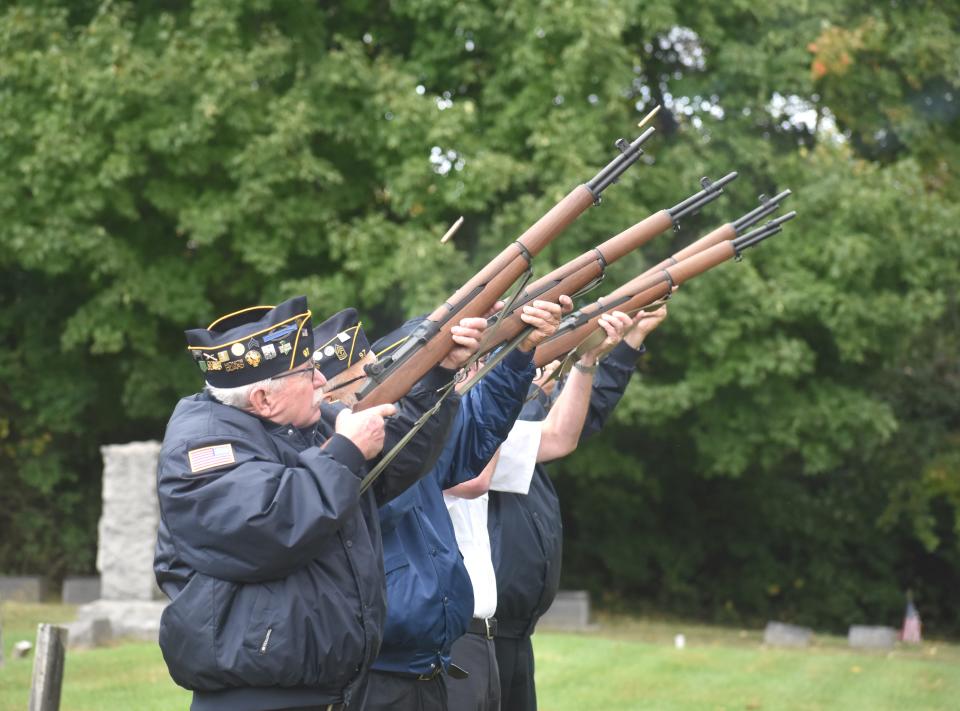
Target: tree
x: 167, y: 162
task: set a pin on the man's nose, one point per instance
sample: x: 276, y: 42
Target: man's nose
x: 318, y: 379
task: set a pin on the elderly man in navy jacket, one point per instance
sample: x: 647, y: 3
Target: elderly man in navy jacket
x: 271, y: 556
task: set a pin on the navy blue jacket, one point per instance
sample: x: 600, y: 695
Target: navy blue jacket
x: 429, y: 594
x: 273, y: 562
x: 526, y: 532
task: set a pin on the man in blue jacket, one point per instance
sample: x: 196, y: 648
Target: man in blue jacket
x: 429, y: 595
x: 271, y: 556
x: 526, y: 532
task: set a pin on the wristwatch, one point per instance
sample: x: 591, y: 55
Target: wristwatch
x: 588, y: 369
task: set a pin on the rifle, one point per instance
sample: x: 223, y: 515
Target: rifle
x: 586, y: 271
x: 391, y: 378
x: 727, y: 231
x: 649, y: 288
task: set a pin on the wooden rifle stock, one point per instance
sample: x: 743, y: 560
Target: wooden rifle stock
x: 632, y: 296
x: 577, y: 274
x: 431, y: 341
x: 658, y: 281
x: 587, y: 269
x: 721, y: 234
x: 391, y: 378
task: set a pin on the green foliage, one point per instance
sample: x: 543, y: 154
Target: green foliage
x: 792, y: 447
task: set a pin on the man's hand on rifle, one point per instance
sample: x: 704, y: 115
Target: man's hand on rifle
x: 615, y: 325
x: 544, y: 317
x: 467, y: 335
x: 644, y: 323
x: 365, y: 429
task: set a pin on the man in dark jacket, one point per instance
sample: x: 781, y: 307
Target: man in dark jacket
x: 526, y: 532
x: 270, y: 555
x: 429, y: 595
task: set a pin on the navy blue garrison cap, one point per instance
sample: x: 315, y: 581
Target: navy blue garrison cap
x: 253, y: 344
x: 340, y: 342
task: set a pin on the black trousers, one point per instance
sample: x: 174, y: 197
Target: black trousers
x: 393, y: 692
x: 481, y: 690
x: 515, y: 662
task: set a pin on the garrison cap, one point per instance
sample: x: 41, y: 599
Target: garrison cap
x: 339, y: 343
x: 253, y: 344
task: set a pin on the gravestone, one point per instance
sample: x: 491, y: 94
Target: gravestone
x: 867, y: 637
x: 23, y: 588
x: 778, y: 634
x: 79, y: 590
x: 89, y: 633
x: 129, y: 597
x: 570, y: 611
x: 128, y: 523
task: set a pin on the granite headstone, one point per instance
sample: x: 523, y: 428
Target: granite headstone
x: 778, y: 634
x: 23, y: 588
x: 570, y: 611
x: 872, y: 637
x: 129, y: 597
x: 80, y: 590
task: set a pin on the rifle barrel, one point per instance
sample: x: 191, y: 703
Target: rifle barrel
x: 711, y: 191
x: 756, y: 236
x: 768, y: 206
x: 391, y: 378
x: 615, y: 168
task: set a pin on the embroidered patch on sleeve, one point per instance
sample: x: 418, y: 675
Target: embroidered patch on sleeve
x: 210, y: 457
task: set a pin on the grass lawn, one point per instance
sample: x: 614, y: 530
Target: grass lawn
x: 626, y: 664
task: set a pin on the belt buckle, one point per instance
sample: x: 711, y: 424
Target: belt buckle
x: 486, y: 623
x: 434, y: 673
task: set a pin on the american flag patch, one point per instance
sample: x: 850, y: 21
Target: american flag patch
x: 210, y: 457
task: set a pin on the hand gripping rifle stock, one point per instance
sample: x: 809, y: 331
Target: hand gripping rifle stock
x: 586, y: 271
x: 390, y: 379
x: 648, y: 288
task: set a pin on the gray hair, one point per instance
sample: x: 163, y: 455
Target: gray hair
x: 240, y: 397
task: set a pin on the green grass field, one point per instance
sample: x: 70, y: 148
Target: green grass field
x: 625, y: 664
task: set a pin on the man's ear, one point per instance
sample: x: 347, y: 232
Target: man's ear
x: 260, y: 402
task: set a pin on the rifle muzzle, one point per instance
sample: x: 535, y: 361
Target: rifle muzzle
x: 761, y: 233
x: 711, y: 191
x: 629, y: 154
x: 768, y: 206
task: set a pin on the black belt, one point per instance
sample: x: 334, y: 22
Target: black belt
x: 483, y: 627
x: 429, y: 676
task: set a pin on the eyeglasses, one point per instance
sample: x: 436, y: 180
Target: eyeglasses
x: 309, y: 370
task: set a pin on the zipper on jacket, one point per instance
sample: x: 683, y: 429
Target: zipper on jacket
x: 266, y: 641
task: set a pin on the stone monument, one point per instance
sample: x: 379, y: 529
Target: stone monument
x: 871, y: 637
x: 129, y: 597
x: 570, y: 611
x: 778, y: 634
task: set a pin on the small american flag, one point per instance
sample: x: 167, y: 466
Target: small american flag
x: 911, y: 624
x: 210, y: 457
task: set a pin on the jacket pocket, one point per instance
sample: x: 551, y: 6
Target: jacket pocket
x: 261, y: 620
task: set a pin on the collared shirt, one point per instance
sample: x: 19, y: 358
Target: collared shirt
x: 429, y: 595
x: 513, y: 472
